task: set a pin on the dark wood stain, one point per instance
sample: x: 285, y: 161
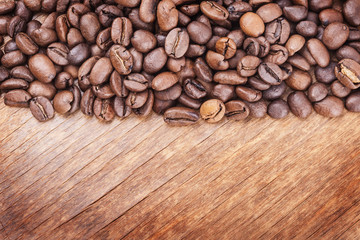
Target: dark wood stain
x: 76, y: 178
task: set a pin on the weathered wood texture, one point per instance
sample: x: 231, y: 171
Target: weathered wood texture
x: 75, y: 178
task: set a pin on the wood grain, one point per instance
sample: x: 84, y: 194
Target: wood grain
x: 76, y: 178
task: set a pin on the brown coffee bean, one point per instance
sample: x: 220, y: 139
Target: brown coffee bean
x: 317, y: 92
x: 7, y: 6
x: 181, y: 116
x: 248, y: 65
x: 330, y: 107
x: 307, y: 28
x: 295, y: 13
x: 258, y: 84
x: 330, y: 15
x: 137, y: 99
x: 187, y: 101
x: 147, y: 10
x: 294, y: 44
x: 17, y: 98
x: 58, y: 53
x: 104, y: 110
x: 234, y: 60
x: 63, y: 101
x: 257, y: 109
x: 236, y: 110
x: 299, y: 104
x: 318, y: 51
x: 202, y: 70
x: 278, y: 54
x: 42, y: 109
x: 107, y: 14
x: 351, y: 9
x: 14, y: 83
x: 79, y: 54
x: 175, y: 64
x: 15, y: 25
x: 339, y: 90
x: 62, y: 27
x: 103, y: 39
x: 171, y: 93
x: 347, y: 71
x: 248, y: 94
x: 327, y: 74
x: 117, y: 85
x: 348, y: 52
x: 223, y: 92
x: 121, y: 59
x: 190, y: 9
x: 212, y: 110
x: 9, y: 46
x: 121, y: 31
x: 137, y: 60
x: 155, y: 60
x: 278, y: 109
x: 177, y: 42
x: 21, y: 72
x: 269, y: 12
x: 13, y: 59
x: 194, y: 88
x: 335, y: 35
x: 87, y: 102
x: 299, y: 80
x: 145, y: 110
x: 230, y: 77
x: 353, y: 102
x: 226, y: 47
x: 164, y: 81
x: 63, y: 80
x: 274, y: 92
x: 251, y: 46
x: 74, y: 38
x: 26, y: 44
x: 120, y: 108
x: 167, y: 15
x: 44, y: 36
x: 101, y: 71
x: 136, y: 82
x: 237, y: 9
x: 37, y: 88
x: 143, y: 41
x: 278, y: 31
x: 42, y: 68
x: 103, y: 91
x: 270, y: 73
x: 299, y: 62
x: 75, y: 12
x: 252, y: 24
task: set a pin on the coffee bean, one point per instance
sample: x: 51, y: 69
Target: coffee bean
x: 212, y: 110
x: 62, y: 101
x: 252, y: 24
x: 330, y: 107
x: 44, y: 36
x: 121, y: 59
x: 117, y: 85
x: 258, y: 84
x: 87, y: 102
x: 187, y: 101
x: 335, y: 35
x: 177, y: 42
x: 350, y: 10
x: 121, y: 31
x: 42, y: 68
x: 299, y: 104
x: 17, y: 98
x: 299, y: 62
x: 175, y: 64
x: 199, y: 32
x: 75, y: 12
x: 161, y: 106
x: 4, y: 73
x: 107, y: 14
x: 58, y: 53
x: 202, y: 70
x: 270, y: 73
x: 223, y: 92
x: 277, y: 54
x: 317, y: 92
x: 136, y: 82
x: 155, y: 60
x: 353, y: 102
x: 294, y: 44
x: 248, y: 94
x: 167, y: 15
x: 74, y: 38
x: 13, y: 59
x: 251, y: 46
x: 295, y: 13
x: 103, y: 39
x: 79, y: 54
x: 339, y: 90
x: 226, y: 47
x: 15, y: 25
x: 194, y: 88
x: 41, y: 108
x: 347, y: 71
x: 248, y: 65
x: 120, y: 108
x: 236, y: 110
x: 307, y: 29
x: 277, y: 31
x: 7, y: 6
x: 143, y: 41
x: 230, y: 77
x: 274, y: 92
x: 103, y: 91
x: 14, y: 83
x: 145, y: 110
x: 101, y: 71
x: 181, y: 116
x: 104, y: 110
x: 278, y: 109
x: 347, y: 52
x: 327, y: 74
x: 299, y: 80
x: 137, y: 99
x: 319, y: 52
x: 269, y: 12
x: 26, y: 44
x: 84, y: 73
x: 257, y: 109
x: 214, y: 11
x: 37, y: 88
x: 164, y: 81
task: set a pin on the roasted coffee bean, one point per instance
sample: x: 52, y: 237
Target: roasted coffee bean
x: 4, y: 73
x: 299, y: 80
x: 120, y: 108
x: 101, y: 71
x: 248, y: 65
x: 351, y: 9
x: 171, y: 93
x: 21, y: 72
x: 147, y: 10
x: 330, y: 15
x: 42, y: 109
x: 335, y: 35
x: 307, y: 28
x: 14, y: 83
x: 187, y: 101
x: 15, y: 25
x: 121, y: 59
x: 251, y: 46
x: 107, y: 14
x: 17, y: 98
x: 199, y: 32
x: 295, y: 13
x: 26, y: 44
x: 270, y: 73
x: 75, y: 12
x: 299, y: 104
x: 190, y: 9
x: 103, y: 91
x: 103, y: 39
x: 299, y: 62
x: 226, y: 46
x: 214, y: 11
x: 37, y: 88
x: 353, y: 102
x: 79, y: 54
x: 74, y: 38
x: 63, y: 80
x: 294, y: 44
x: 258, y: 84
x: 42, y: 68
x: 348, y: 52
x: 277, y: 31
x: 202, y: 70
x: 236, y: 110
x: 143, y: 41
x: 177, y: 42
x: 319, y: 52
x: 136, y: 82
x: 269, y: 12
x: 252, y: 24
x: 274, y: 92
x: 145, y: 110
x: 121, y: 31
x: 278, y: 109
x: 248, y: 94
x: 257, y: 109
x: 347, y: 71
x: 175, y: 64
x: 44, y: 36
x: 164, y: 81
x: 62, y: 27
x: 63, y: 101
x: 330, y: 107
x: 117, y: 85
x: 230, y: 77
x: 317, y: 92
x: 194, y: 88
x: 216, y: 61
x: 10, y: 46
x: 327, y: 74
x: 58, y: 53
x: 87, y: 102
x: 339, y: 90
x: 237, y: 36
x: 155, y: 60
x: 264, y: 46
x: 234, y: 60
x: 237, y: 9
x: 278, y: 54
x: 137, y: 99
x: 161, y: 106
x: 212, y: 110
x: 104, y: 110
x: 167, y: 15
x: 181, y: 116
x: 7, y: 6
x: 13, y: 59
x: 223, y: 92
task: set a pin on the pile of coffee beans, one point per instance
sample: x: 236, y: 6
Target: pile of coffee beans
x: 183, y: 59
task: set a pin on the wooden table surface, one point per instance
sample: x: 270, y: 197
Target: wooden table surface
x: 76, y: 178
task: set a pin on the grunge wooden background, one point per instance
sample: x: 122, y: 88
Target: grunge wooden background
x: 76, y: 178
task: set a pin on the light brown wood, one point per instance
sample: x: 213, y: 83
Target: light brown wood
x: 76, y: 178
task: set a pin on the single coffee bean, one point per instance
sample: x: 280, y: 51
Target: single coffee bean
x: 264, y: 46
x: 175, y: 64
x: 7, y: 6
x: 143, y: 41
x: 237, y: 36
x: 63, y: 101
x: 155, y: 60
x: 15, y: 25
x: 74, y: 38
x: 299, y: 104
x: 79, y: 54
x: 299, y: 62
x: 347, y: 52
x: 181, y: 116
x: 4, y: 73
x: 294, y: 44
x: 202, y: 70
x: 329, y: 107
x: 62, y: 27
x: 347, y: 71
x: 307, y: 29
x: 103, y: 91
x: 121, y: 31
x: 44, y: 36
x: 330, y: 15
x: 251, y: 46
x: 327, y: 74
x: 42, y: 68
x: 317, y: 92
x: 137, y: 99
x: 171, y: 93
x: 101, y: 71
x: 87, y: 102
x: 212, y: 110
x: 42, y: 109
x: 236, y: 9
x: 226, y: 46
x: 194, y: 88
x: 278, y: 31
x: 13, y: 59
x: 63, y: 80
x: 274, y: 92
x: 103, y: 39
x: 230, y: 77
x: 220, y: 31
x: 58, y: 53
x: 199, y: 32
x: 318, y: 5
x: 167, y: 15
x: 147, y: 10
x: 107, y: 14
x: 223, y: 92
x: 319, y: 52
x: 278, y: 54
x: 299, y: 80
x: 177, y: 43
x: 104, y: 110
x: 164, y: 80
x: 335, y: 35
x: 117, y: 85
x: 214, y: 11
x: 236, y: 110
x: 248, y: 65
x: 216, y: 61
x: 17, y: 98
x: 295, y: 13
x: 351, y: 9
x: 269, y: 12
x: 353, y: 102
x: 190, y: 9
x: 258, y: 84
x: 145, y: 110
x: 137, y: 60
x: 121, y: 59
x: 257, y: 109
x: 84, y: 73
x: 14, y: 83
x: 252, y: 24
x: 248, y: 94
x: 161, y: 106
x: 26, y: 44
x: 10, y: 46
x: 21, y: 72
x: 278, y: 109
x: 120, y: 108
x: 339, y: 90
x: 270, y: 73
x: 37, y: 88
x: 4, y: 20
x: 187, y: 101
x: 136, y: 82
